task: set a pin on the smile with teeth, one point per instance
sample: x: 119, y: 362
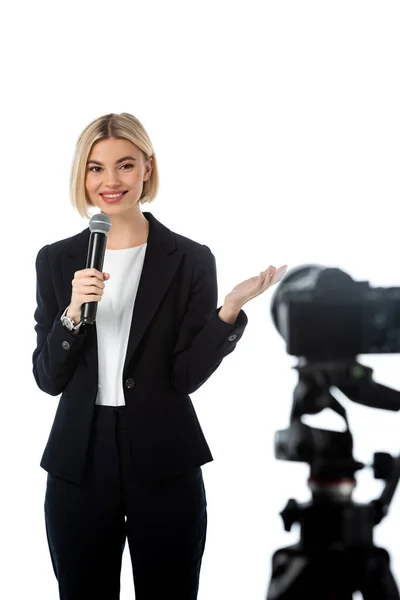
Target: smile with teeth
x: 113, y: 195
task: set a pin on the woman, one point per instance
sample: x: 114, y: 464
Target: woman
x: 125, y: 450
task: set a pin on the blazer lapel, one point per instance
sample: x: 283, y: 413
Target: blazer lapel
x: 161, y: 262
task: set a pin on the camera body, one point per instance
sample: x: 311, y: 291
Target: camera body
x: 322, y: 314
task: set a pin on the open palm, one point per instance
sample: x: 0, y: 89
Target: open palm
x: 255, y: 286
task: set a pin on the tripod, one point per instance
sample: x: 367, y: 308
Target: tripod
x: 336, y: 555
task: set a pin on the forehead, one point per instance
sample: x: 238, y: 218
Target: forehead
x: 112, y: 149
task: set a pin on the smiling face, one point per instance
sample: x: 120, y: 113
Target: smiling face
x: 114, y: 166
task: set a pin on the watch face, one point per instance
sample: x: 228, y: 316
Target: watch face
x: 67, y: 323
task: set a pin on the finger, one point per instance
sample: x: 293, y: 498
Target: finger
x: 269, y: 274
x: 264, y: 281
x: 259, y: 285
x: 272, y: 276
x: 279, y: 275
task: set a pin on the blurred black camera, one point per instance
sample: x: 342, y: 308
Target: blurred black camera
x: 323, y: 314
x: 327, y: 319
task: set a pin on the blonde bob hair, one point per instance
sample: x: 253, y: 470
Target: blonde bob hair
x: 122, y: 126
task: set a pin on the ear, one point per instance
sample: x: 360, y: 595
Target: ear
x: 149, y: 168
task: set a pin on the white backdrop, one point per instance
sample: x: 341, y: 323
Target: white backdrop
x: 276, y: 126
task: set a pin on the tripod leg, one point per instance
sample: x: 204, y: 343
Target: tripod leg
x: 378, y: 581
x: 297, y: 575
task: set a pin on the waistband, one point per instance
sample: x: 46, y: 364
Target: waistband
x: 107, y: 416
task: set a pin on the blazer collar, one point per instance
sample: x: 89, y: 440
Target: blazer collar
x: 161, y: 262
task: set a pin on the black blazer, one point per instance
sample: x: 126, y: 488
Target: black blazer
x: 176, y: 341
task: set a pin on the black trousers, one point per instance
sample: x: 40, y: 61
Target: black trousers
x: 166, y: 523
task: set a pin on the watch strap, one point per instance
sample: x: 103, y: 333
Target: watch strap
x: 64, y: 318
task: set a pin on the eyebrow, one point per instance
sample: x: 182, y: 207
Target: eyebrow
x: 120, y: 160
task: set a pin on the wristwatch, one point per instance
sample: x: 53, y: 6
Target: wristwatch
x: 69, y: 323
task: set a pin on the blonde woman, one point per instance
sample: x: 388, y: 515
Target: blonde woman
x: 125, y: 450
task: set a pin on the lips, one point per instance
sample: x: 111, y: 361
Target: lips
x: 110, y: 200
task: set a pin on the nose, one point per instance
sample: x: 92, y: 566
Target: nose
x: 111, y: 179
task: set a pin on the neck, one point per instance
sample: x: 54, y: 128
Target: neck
x: 127, y: 233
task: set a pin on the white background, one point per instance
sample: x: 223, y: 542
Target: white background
x: 276, y: 127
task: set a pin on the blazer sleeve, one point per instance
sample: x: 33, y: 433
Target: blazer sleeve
x: 204, y: 339
x: 54, y: 360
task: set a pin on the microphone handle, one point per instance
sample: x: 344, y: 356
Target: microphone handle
x: 95, y: 259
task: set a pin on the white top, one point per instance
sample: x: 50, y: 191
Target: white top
x: 113, y: 319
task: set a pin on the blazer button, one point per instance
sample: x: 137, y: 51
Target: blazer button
x: 66, y: 345
x: 232, y: 337
x: 130, y: 382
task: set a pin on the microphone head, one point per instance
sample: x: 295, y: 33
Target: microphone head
x: 100, y: 223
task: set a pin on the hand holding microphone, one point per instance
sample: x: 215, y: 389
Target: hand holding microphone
x: 88, y: 284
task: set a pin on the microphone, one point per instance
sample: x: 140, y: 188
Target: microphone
x: 99, y: 225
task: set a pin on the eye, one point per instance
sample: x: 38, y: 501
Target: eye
x: 124, y: 165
